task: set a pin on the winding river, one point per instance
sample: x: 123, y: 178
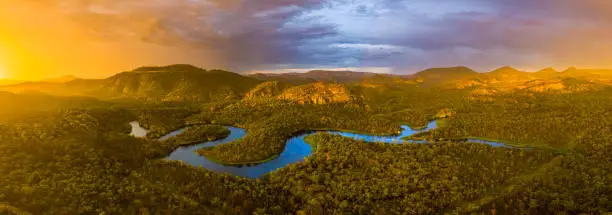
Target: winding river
x: 296, y: 149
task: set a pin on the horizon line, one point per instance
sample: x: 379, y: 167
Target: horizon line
x: 375, y: 70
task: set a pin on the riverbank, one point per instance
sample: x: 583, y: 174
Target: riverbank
x: 297, y: 147
x: 238, y: 164
x: 392, y: 138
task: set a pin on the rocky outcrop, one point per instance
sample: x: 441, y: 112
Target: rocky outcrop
x: 317, y: 93
x: 270, y: 89
x: 559, y: 85
x: 445, y: 113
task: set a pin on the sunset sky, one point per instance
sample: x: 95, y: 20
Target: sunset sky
x: 97, y: 38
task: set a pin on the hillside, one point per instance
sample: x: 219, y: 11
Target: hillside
x: 317, y: 93
x: 506, y: 79
x: 9, y: 82
x: 50, y: 88
x: 443, y: 76
x: 176, y: 83
x: 561, y: 85
x: 546, y: 73
x: 560, y: 146
x: 287, y: 78
x: 382, y: 80
x: 189, y: 83
x: 61, y: 80
x: 168, y: 83
x: 508, y: 74
x: 269, y: 89
x: 314, y: 76
x: 17, y: 105
x: 603, y: 76
x: 448, y: 73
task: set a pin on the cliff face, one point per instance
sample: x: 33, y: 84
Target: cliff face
x: 268, y: 89
x: 177, y: 84
x: 317, y: 93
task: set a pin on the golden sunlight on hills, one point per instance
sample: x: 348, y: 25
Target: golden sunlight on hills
x: 317, y: 93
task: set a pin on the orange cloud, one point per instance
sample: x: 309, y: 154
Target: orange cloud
x: 48, y: 38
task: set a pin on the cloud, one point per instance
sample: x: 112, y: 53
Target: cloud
x: 478, y: 33
x: 242, y: 33
x: 404, y: 35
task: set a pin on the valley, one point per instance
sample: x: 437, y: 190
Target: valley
x: 180, y: 139
x: 296, y: 148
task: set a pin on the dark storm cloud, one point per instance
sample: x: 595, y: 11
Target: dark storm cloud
x: 403, y: 34
x: 242, y: 33
x: 486, y: 34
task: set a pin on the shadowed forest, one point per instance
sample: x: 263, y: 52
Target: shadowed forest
x: 66, y: 148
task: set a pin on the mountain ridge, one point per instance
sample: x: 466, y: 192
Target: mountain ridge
x: 62, y: 79
x: 182, y: 82
x: 312, y: 76
x: 171, y: 83
x: 4, y: 82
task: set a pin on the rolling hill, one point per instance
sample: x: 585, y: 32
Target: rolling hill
x: 167, y: 83
x: 507, y: 72
x: 63, y: 79
x: 17, y: 105
x: 317, y: 93
x: 602, y: 76
x: 189, y: 83
x: 9, y: 82
x: 546, y: 73
x: 178, y: 82
x: 314, y: 93
x: 560, y: 85
x: 436, y: 77
x: 268, y: 89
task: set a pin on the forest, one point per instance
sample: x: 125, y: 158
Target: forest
x: 75, y: 155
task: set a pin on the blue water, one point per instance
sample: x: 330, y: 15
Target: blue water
x: 491, y: 143
x: 172, y: 134
x: 296, y: 149
x: 394, y: 139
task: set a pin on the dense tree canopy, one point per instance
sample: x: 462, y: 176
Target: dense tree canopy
x: 75, y: 156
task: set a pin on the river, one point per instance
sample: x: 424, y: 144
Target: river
x: 296, y: 149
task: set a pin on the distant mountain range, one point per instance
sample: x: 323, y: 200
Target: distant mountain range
x: 16, y: 105
x: 63, y: 79
x: 461, y: 77
x: 167, y: 83
x: 189, y: 83
x: 441, y: 76
x: 9, y: 82
x: 343, y: 77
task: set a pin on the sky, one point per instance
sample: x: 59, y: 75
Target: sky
x: 98, y: 38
